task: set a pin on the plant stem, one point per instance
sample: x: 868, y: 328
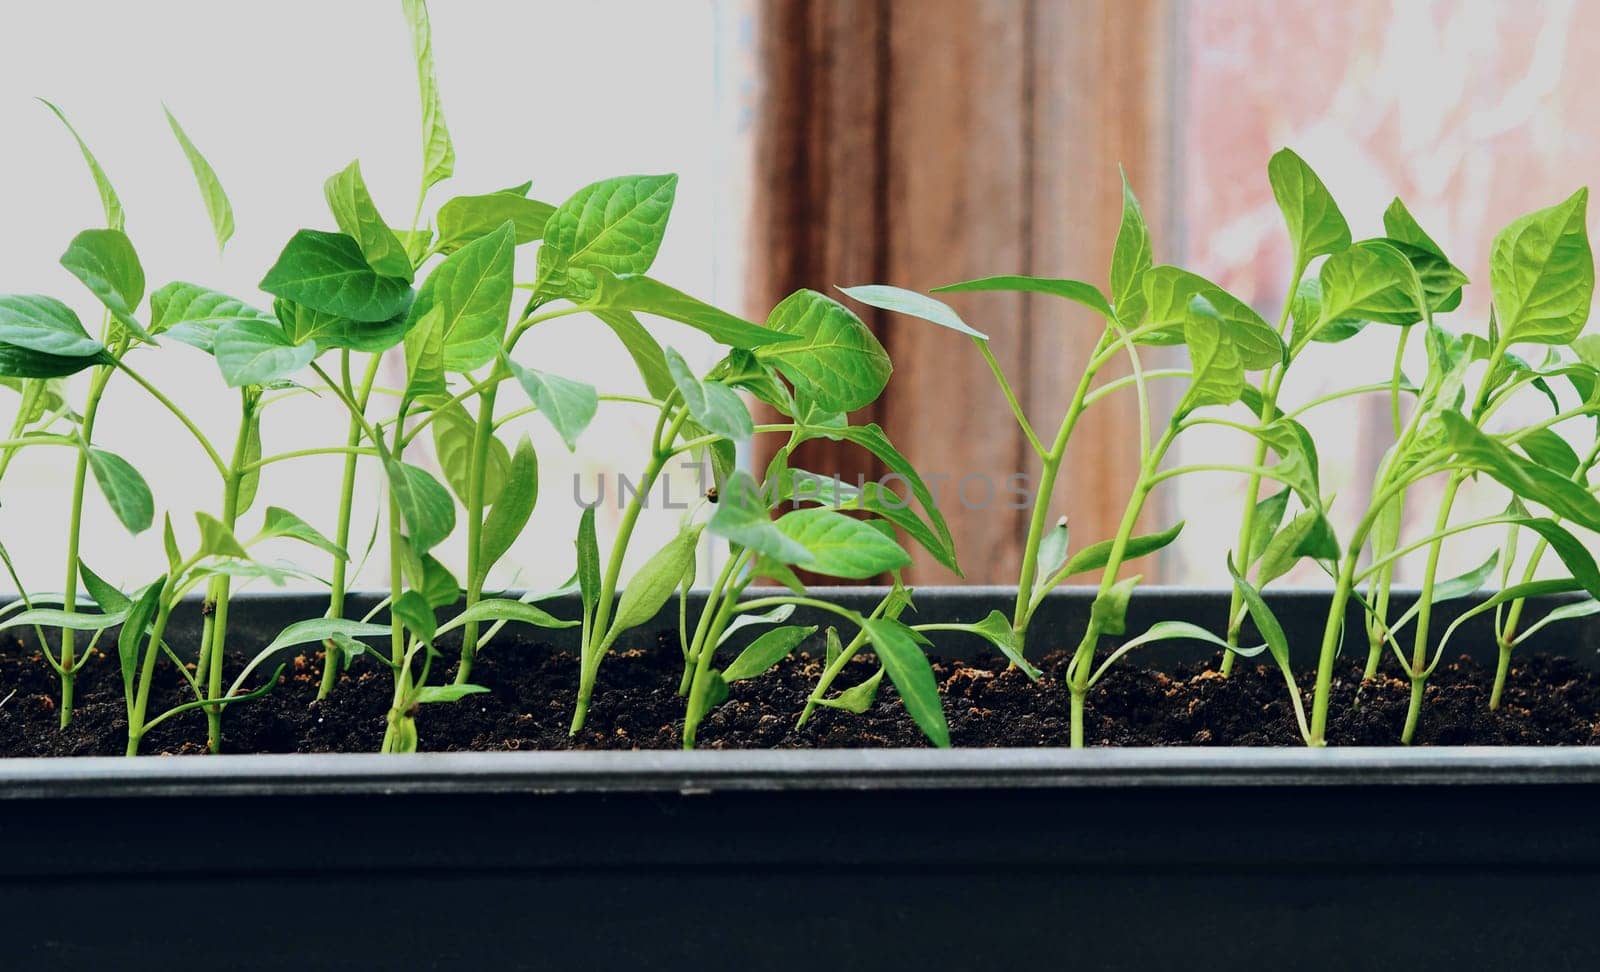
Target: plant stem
x: 332, y: 654
x: 215, y: 650
x: 1247, y: 523
x: 69, y: 597
x: 141, y: 705
x: 1039, y: 520
x: 713, y: 605
x: 482, y: 436
x: 599, y: 635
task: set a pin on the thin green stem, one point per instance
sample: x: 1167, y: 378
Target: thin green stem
x: 188, y: 423
x: 332, y: 654
x: 482, y: 436
x: 69, y: 597
x: 1011, y: 396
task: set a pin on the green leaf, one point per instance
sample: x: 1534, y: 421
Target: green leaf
x: 253, y: 352
x: 840, y: 545
x: 1108, y: 615
x: 1268, y: 517
x: 413, y: 611
x: 616, y: 224
x: 217, y: 540
x: 169, y: 543
x: 108, y: 196
x: 835, y: 648
x: 856, y: 698
x: 913, y: 304
x: 1542, y: 273
x: 471, y: 290
x: 588, y: 560
x: 424, y: 354
x: 873, y: 439
x: 1315, y: 224
x: 1170, y: 292
x: 742, y: 517
x: 466, y: 218
x: 438, y: 154
x: 1531, y: 482
x: 57, y: 618
x: 105, y: 261
x: 18, y: 362
x: 997, y: 630
x: 503, y: 609
x: 569, y: 406
x: 425, y: 506
x: 777, y: 615
x: 644, y: 349
x: 901, y: 654
x: 715, y: 406
x: 30, y: 322
x: 306, y: 325
x: 766, y: 651
x: 193, y: 314
x: 1370, y: 281
x: 634, y: 293
x: 838, y: 364
x: 108, y: 598
x: 1266, y: 621
x: 358, y: 218
x: 1299, y: 538
x: 1130, y: 259
x: 1566, y: 612
x: 512, y: 508
x: 326, y: 272
x: 1469, y: 583
x: 250, y: 478
x: 217, y: 206
x: 439, y: 587
x: 1097, y: 555
x: 654, y: 584
x: 146, y: 603
x: 1305, y: 310
x: 1178, y: 630
x: 1052, y: 552
x: 454, y: 692
x: 1077, y: 291
x: 1547, y: 448
x: 871, y: 497
x: 281, y: 523
x: 124, y: 489
x: 453, y: 434
x: 1217, y: 369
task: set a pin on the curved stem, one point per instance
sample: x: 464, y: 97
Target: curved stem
x: 69, y: 597
x: 332, y: 654
x: 482, y: 436
x: 188, y: 423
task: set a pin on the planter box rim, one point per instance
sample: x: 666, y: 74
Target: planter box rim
x: 704, y: 772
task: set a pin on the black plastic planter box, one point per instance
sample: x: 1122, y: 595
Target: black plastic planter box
x: 975, y: 859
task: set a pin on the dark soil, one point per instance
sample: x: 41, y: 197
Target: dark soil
x: 1549, y: 701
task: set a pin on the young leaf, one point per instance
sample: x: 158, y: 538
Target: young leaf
x: 857, y: 698
x: 1077, y: 291
x: 502, y: 609
x: 1052, y: 552
x: 424, y: 354
x: 715, y: 406
x: 777, y: 615
x: 511, y: 509
x: 305, y: 325
x: 105, y: 261
x: 840, y: 545
x: 569, y: 406
x: 766, y: 651
x: 145, y: 605
x: 18, y: 362
x: 358, y: 218
x: 1370, y: 281
x: 217, y: 206
x: 1561, y: 495
x: 1305, y: 310
x: 1109, y: 612
x: 997, y: 630
x: 193, y: 314
x: 642, y: 347
x: 455, y: 692
x: 654, y: 584
x: 466, y: 218
x: 438, y: 154
x: 453, y: 433
x: 614, y: 295
x: 169, y: 543
x: 109, y: 599
x: 471, y: 290
x: 1566, y: 612
x: 57, y: 618
x: 425, y: 506
x: 1268, y: 517
x: 1130, y: 259
x: 281, y: 523
x: 413, y: 611
x: 1266, y: 621
x: 45, y: 325
x: 588, y: 560
x: 617, y: 224
x: 913, y: 304
x: 742, y: 517
x: 1218, y: 371
x: 327, y: 272
x: 902, y: 656
x: 838, y: 364
x: 217, y: 540
x: 108, y: 196
x: 1315, y: 224
x: 1542, y: 273
x: 1097, y: 555
x: 1547, y: 448
x: 253, y: 352
x: 439, y: 587
x: 1288, y: 545
x: 124, y: 489
x: 1169, y: 293
x: 1466, y: 584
